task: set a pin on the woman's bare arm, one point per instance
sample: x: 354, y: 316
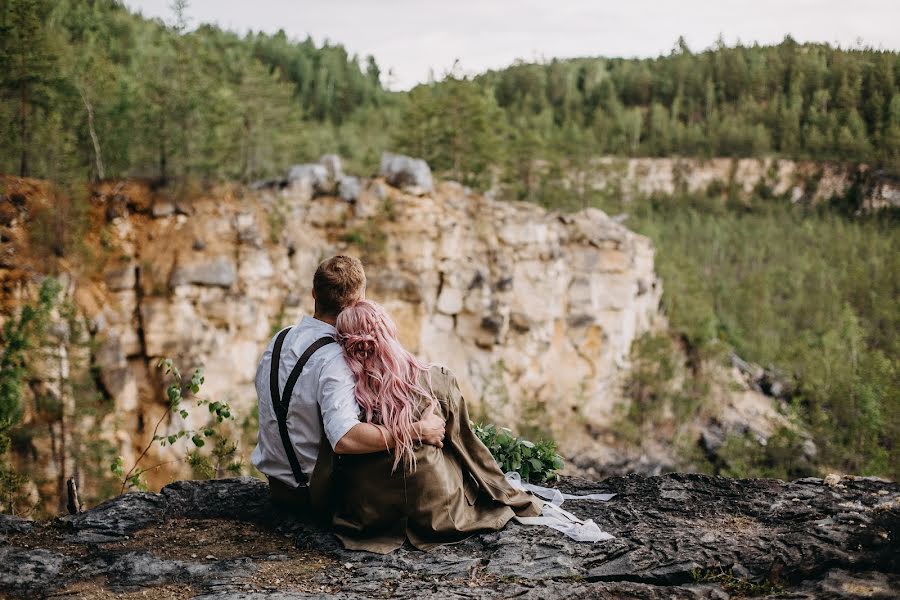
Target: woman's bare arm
x: 365, y: 438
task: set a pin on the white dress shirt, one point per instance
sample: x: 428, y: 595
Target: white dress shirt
x: 325, y: 384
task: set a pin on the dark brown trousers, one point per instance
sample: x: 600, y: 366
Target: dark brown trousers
x: 290, y: 499
x: 312, y: 501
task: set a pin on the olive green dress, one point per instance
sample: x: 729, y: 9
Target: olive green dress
x: 454, y: 492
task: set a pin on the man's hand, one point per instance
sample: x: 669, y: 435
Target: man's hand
x: 430, y: 428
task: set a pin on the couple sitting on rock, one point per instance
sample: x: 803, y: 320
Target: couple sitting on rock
x: 357, y: 431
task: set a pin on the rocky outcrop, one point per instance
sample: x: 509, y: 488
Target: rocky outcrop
x: 676, y: 536
x: 794, y: 181
x: 534, y: 311
x: 411, y: 174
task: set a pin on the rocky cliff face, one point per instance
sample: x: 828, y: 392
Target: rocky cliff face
x: 534, y: 311
x: 796, y: 181
x: 676, y: 536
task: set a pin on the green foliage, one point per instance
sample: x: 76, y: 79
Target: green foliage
x: 107, y: 92
x: 224, y: 449
x: 780, y: 458
x: 535, y: 462
x: 807, y: 290
x: 800, y: 101
x: 455, y: 126
x: 223, y: 457
x: 28, y: 72
x: 21, y: 336
x: 658, y: 379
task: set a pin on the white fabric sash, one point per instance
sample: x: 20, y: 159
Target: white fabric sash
x: 555, y: 517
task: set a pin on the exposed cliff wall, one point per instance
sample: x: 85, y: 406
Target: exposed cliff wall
x: 533, y: 310
x: 796, y: 181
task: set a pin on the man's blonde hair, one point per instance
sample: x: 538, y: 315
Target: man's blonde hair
x: 339, y: 282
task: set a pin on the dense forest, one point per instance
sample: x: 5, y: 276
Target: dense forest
x: 91, y: 91
x: 807, y: 292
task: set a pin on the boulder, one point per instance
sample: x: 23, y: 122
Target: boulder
x: 349, y: 188
x: 319, y: 178
x: 311, y: 176
x: 413, y: 175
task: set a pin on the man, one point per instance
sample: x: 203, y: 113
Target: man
x: 314, y: 402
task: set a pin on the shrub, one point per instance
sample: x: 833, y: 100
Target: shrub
x: 21, y: 336
x: 809, y: 291
x: 535, y: 462
x: 224, y: 450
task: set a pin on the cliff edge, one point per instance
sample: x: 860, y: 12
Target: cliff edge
x: 681, y: 536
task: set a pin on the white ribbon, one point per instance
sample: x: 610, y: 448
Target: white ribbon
x: 555, y: 517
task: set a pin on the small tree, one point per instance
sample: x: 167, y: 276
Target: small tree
x: 224, y: 449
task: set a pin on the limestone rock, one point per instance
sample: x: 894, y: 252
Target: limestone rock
x: 219, y: 271
x: 332, y: 164
x: 676, y: 536
x: 311, y: 176
x: 349, y: 188
x: 793, y: 181
x: 163, y: 208
x: 450, y: 301
x: 411, y: 174
x: 524, y: 306
x: 121, y: 278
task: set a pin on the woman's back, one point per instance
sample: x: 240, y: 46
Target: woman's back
x: 452, y: 492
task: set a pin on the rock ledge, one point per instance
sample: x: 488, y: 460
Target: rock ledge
x: 682, y: 536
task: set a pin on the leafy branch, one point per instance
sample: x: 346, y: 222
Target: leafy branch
x: 219, y: 413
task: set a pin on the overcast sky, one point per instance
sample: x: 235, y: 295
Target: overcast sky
x: 411, y: 38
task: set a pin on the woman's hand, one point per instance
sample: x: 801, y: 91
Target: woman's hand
x: 430, y: 428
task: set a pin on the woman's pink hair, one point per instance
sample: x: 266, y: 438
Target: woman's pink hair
x: 388, y: 384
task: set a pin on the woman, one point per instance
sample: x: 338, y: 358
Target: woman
x: 420, y: 493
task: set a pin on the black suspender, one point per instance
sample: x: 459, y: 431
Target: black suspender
x: 281, y: 402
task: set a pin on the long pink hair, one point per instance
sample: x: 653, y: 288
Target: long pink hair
x: 388, y: 384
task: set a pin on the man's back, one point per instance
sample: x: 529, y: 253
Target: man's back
x: 323, y: 394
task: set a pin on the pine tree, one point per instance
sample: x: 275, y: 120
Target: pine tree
x: 27, y: 65
x: 455, y: 126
